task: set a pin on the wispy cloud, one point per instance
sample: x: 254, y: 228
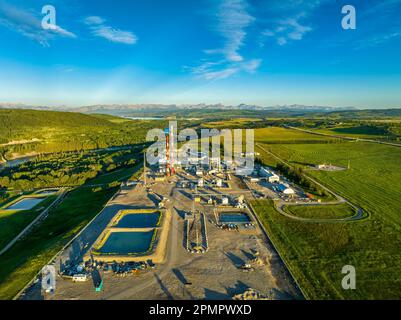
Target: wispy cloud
x: 232, y: 20
x: 286, y: 21
x: 286, y: 30
x: 220, y: 74
x: 99, y: 28
x: 94, y: 20
x: 28, y: 24
x: 377, y: 39
x: 220, y: 70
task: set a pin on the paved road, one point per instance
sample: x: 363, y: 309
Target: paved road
x: 281, y: 204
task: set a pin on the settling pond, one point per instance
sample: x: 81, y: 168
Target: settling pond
x: 139, y: 220
x: 25, y: 204
x: 125, y: 243
x: 234, y: 217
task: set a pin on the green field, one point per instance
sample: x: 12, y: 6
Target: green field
x: 357, y: 131
x: 322, y: 211
x: 317, y: 252
x: 276, y: 135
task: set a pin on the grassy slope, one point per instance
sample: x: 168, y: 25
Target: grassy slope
x: 67, y: 131
x: 28, y: 256
x: 372, y: 246
x: 19, y: 124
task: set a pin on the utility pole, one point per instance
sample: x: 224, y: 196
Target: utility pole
x: 144, y: 169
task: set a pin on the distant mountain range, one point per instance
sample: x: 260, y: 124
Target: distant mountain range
x: 118, y: 109
x: 128, y: 108
x: 216, y: 110
x: 6, y: 105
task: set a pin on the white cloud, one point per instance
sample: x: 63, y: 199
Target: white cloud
x: 251, y: 65
x: 221, y: 74
x: 220, y: 70
x: 232, y: 21
x: 268, y: 33
x: 287, y: 29
x: 283, y: 20
x: 93, y: 20
x: 281, y: 41
x: 115, y: 35
x: 377, y: 39
x: 29, y: 24
x: 100, y: 29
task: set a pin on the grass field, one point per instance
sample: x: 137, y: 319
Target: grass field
x: 232, y: 123
x: 282, y: 135
x: 322, y: 211
x: 353, y: 132
x: 317, y: 252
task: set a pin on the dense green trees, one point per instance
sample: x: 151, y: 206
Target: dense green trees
x: 296, y: 175
x: 25, y: 131
x: 66, y: 169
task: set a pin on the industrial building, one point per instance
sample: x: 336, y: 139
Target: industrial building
x: 269, y: 175
x: 285, y: 189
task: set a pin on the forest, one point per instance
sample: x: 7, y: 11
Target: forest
x: 67, y: 168
x: 40, y: 132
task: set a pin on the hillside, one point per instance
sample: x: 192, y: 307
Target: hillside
x: 366, y: 114
x: 25, y: 131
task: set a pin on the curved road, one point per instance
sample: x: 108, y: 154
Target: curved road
x: 279, y: 205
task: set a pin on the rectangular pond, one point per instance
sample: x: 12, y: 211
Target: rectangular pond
x: 125, y: 243
x: 139, y: 220
x: 25, y: 204
x: 234, y: 217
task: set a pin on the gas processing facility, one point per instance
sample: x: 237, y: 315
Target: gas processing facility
x: 186, y: 229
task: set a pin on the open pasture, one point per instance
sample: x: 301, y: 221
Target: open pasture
x: 337, y: 211
x: 317, y: 252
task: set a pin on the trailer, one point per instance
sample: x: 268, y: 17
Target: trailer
x: 97, y: 281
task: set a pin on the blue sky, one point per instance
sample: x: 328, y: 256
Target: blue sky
x: 264, y: 52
